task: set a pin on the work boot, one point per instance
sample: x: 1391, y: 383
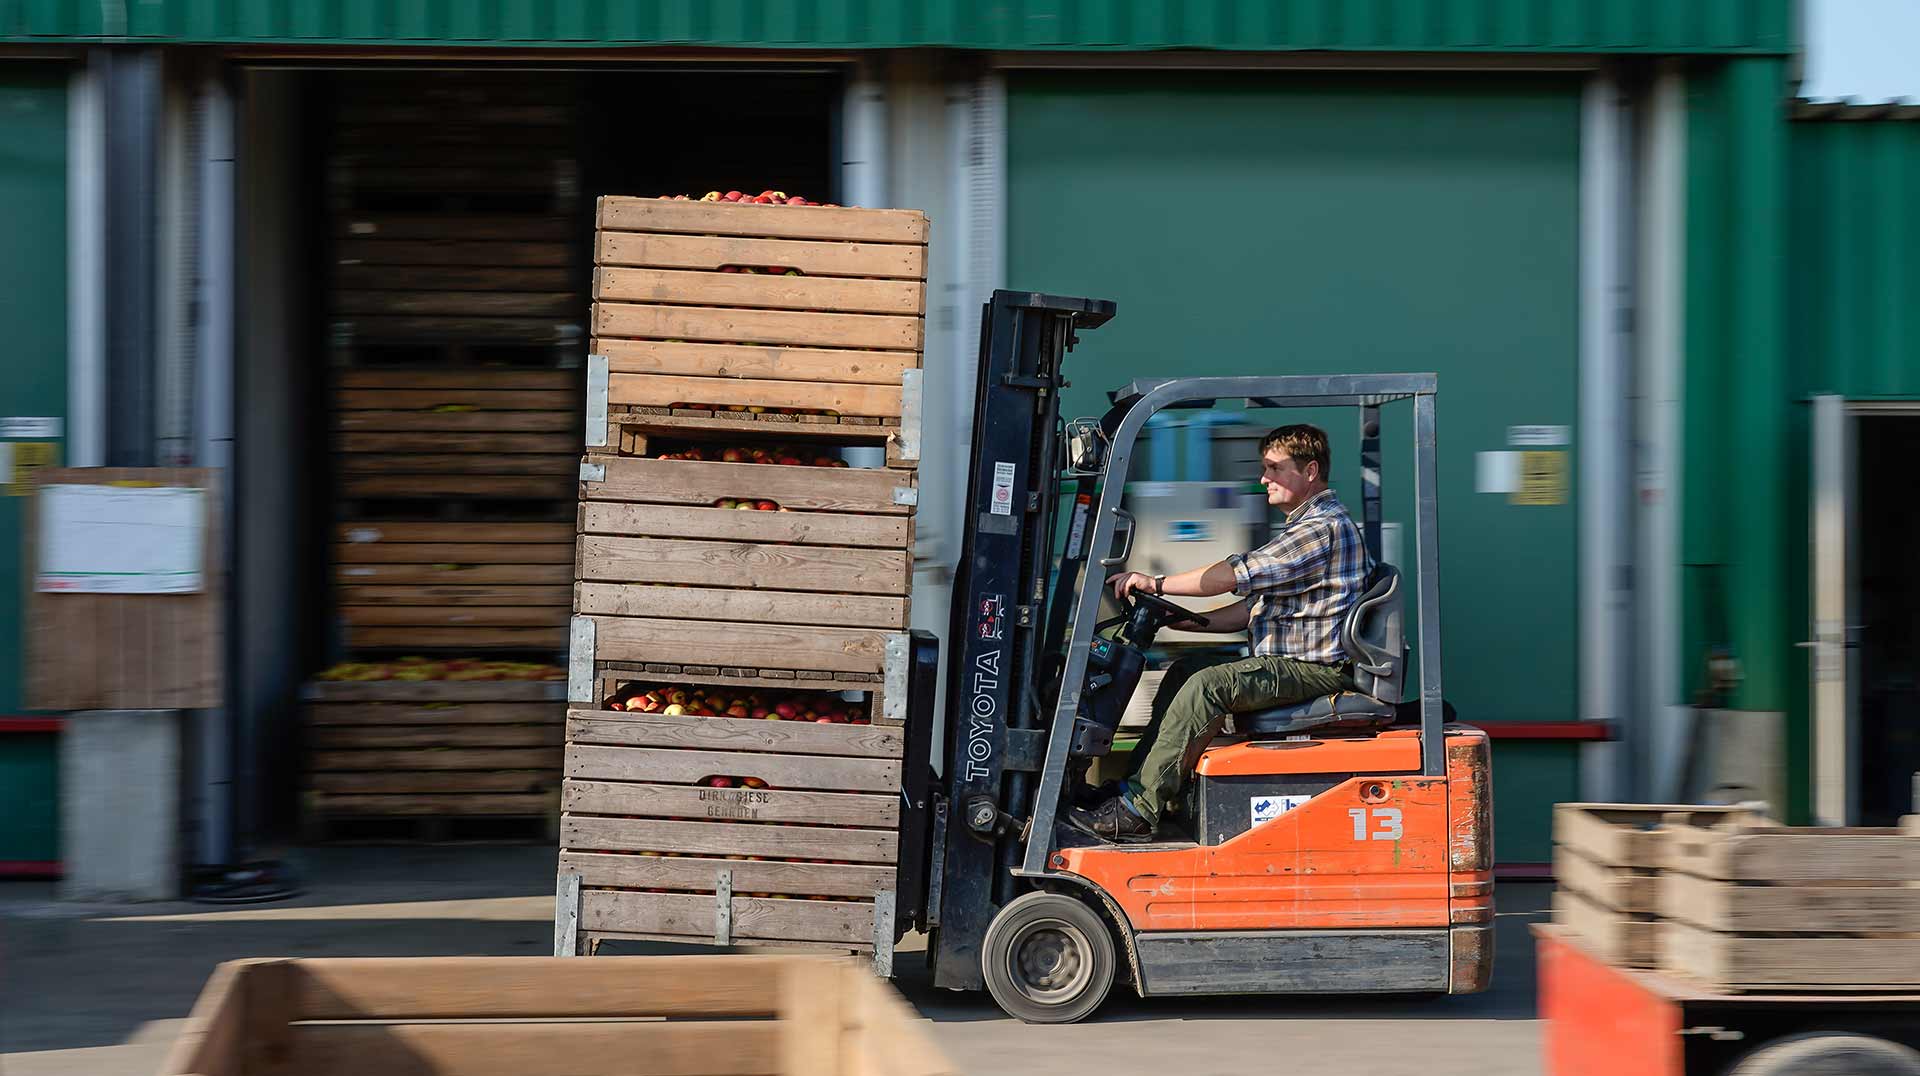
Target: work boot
x: 1113, y: 821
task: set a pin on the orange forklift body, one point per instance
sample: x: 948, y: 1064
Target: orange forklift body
x: 1386, y: 848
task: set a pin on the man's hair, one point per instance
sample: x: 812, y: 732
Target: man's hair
x: 1305, y: 444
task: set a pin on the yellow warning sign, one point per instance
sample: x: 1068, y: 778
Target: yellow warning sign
x: 29, y: 457
x: 1543, y: 479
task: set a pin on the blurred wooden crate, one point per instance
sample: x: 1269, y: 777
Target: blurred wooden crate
x: 1606, y: 867
x: 441, y: 750
x: 1775, y: 908
x: 509, y: 1016
x: 468, y: 586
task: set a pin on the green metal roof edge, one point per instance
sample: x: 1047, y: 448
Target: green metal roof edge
x: 1726, y: 27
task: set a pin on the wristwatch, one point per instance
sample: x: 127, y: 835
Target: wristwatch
x: 1159, y: 586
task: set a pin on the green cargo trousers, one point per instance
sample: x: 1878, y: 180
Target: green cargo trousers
x: 1193, y: 702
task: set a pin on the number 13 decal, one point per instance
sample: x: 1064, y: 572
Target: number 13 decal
x: 1386, y: 823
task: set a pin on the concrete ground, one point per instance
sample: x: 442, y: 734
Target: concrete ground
x: 102, y: 990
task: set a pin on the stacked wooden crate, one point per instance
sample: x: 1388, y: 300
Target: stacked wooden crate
x: 1775, y: 908
x: 446, y: 753
x: 1606, y: 868
x: 1726, y: 898
x: 455, y: 339
x: 779, y: 588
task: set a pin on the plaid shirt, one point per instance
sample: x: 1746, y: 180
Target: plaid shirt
x: 1304, y: 582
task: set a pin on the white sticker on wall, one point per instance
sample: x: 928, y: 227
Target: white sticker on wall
x: 1538, y: 436
x: 30, y: 428
x: 1268, y: 808
x: 1496, y: 472
x: 1002, y: 504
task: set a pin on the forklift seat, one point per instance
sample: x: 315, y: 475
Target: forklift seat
x: 1375, y: 638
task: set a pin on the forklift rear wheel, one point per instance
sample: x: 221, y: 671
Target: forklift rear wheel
x: 1829, y: 1054
x: 1048, y: 959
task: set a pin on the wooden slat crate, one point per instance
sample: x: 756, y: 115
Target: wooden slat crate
x: 706, y: 310
x: 666, y: 578
x: 801, y: 817
x: 472, y: 586
x: 721, y: 1015
x: 481, y: 434
x: 442, y: 749
x: 1773, y: 908
x: 1606, y: 865
x: 781, y: 569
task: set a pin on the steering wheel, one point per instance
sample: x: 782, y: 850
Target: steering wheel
x: 1172, y: 612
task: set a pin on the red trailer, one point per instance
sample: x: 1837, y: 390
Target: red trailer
x: 1603, y: 1020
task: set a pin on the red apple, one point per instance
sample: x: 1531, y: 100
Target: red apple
x: 738, y: 711
x: 754, y: 782
x: 733, y: 455
x: 718, y: 782
x: 787, y: 710
x: 759, y: 712
x: 766, y: 506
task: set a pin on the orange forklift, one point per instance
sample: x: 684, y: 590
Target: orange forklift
x: 1341, y: 845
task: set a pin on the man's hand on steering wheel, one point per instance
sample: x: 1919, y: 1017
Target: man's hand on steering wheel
x: 1140, y: 589
x: 1125, y: 583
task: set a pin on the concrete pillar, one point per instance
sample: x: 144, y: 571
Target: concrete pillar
x: 120, y: 805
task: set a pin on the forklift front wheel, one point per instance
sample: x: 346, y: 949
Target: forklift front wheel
x: 1048, y: 959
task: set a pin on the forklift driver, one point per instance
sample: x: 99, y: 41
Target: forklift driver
x: 1295, y: 594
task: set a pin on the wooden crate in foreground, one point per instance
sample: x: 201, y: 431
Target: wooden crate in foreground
x: 1776, y: 908
x: 519, y: 1016
x: 1606, y: 868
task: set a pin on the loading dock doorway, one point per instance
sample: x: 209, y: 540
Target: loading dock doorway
x: 1865, y: 612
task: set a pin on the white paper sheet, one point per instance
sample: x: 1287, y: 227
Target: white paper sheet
x: 115, y: 540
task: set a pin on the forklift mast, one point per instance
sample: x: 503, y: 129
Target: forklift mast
x: 999, y: 595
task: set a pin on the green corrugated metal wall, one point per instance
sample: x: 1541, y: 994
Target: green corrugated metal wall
x: 1855, y: 270
x: 1259, y: 223
x: 1429, y: 25
x: 33, y: 381
x: 1744, y: 518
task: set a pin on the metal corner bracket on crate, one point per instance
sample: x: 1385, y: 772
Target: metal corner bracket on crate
x: 894, y: 677
x: 593, y: 472
x: 580, y: 651
x: 597, y: 381
x: 911, y: 402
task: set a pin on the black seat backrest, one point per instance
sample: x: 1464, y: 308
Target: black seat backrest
x: 1375, y: 637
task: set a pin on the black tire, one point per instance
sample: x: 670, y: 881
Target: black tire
x: 1823, y: 1053
x: 1048, y: 959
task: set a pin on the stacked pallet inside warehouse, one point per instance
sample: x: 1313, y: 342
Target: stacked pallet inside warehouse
x: 456, y: 757
x: 739, y: 649
x: 455, y: 340
x: 1728, y: 899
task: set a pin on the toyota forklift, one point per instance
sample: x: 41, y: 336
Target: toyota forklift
x: 1340, y: 845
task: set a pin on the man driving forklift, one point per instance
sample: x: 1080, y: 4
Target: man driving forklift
x: 1296, y: 592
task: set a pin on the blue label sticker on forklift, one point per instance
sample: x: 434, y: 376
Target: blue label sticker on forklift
x: 1268, y: 808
